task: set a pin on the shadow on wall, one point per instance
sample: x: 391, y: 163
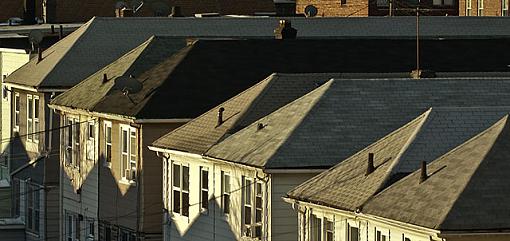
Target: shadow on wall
x: 209, y: 225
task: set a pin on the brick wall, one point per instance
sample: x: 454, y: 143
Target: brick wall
x: 334, y: 8
x: 490, y: 8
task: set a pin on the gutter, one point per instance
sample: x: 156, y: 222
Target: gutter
x: 294, y: 171
x: 162, y: 121
x: 33, y: 88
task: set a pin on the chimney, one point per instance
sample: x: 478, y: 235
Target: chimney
x: 39, y: 55
x: 29, y: 12
x: 52, y: 29
x: 60, y: 32
x: 285, y: 30
x: 220, y: 116
x: 370, y: 166
x: 176, y: 12
x: 423, y: 175
x: 105, y: 78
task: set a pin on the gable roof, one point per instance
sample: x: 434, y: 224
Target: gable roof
x: 69, y: 61
x: 208, y: 72
x: 198, y: 135
x: 332, y: 122
x: 94, y: 92
x: 466, y: 189
x: 346, y: 186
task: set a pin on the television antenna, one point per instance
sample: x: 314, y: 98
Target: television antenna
x: 35, y: 37
x: 136, y: 5
x: 311, y: 11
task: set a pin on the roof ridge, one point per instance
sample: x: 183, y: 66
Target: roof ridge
x: 499, y: 124
x: 420, y: 118
x: 209, y: 111
x: 104, y: 69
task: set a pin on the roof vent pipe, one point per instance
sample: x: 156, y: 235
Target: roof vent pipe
x: 61, y: 32
x: 260, y: 126
x: 285, y: 30
x: 220, y: 116
x: 39, y: 55
x: 370, y: 166
x: 105, y: 78
x: 423, y: 175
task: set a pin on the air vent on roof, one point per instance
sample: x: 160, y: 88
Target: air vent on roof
x: 220, y: 116
x: 310, y: 11
x: 128, y: 84
x: 370, y: 164
x: 423, y: 175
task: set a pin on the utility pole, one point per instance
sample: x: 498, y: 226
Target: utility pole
x: 418, y: 39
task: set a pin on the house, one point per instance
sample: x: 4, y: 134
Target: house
x: 365, y: 8
x: 380, y: 192
x: 273, y: 154
x: 483, y: 7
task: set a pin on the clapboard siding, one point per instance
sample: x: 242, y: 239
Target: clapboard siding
x: 283, y: 219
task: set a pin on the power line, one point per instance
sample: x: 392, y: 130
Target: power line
x: 40, y: 132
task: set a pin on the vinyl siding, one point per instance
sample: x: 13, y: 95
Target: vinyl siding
x: 283, y: 218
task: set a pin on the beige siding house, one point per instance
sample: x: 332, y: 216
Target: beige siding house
x: 294, y: 143
x: 375, y: 194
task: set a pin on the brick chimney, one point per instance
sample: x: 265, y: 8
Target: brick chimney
x: 285, y: 30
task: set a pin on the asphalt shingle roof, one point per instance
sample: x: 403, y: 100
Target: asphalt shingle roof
x: 466, y: 189
x: 345, y: 115
x: 102, y: 40
x: 198, y: 135
x: 208, y: 72
x: 428, y: 137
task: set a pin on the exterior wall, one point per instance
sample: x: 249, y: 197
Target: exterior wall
x: 80, y: 182
x: 486, y: 237
x: 10, y: 60
x: 363, y: 8
x: 212, y: 224
x: 151, y: 181
x: 490, y: 8
x: 334, y: 8
x: 283, y: 218
x: 13, y: 234
x: 342, y: 221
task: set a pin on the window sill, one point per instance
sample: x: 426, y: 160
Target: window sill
x: 127, y: 182
x: 32, y: 233
x: 179, y: 217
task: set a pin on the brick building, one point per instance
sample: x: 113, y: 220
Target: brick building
x: 363, y: 8
x: 483, y: 7
x: 65, y: 11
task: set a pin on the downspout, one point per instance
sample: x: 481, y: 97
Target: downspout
x: 140, y: 182
x: 48, y: 153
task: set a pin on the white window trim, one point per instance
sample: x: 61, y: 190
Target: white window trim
x: 130, y: 159
x: 383, y: 231
x: 91, y: 141
x: 204, y: 189
x: 74, y: 227
x: 108, y: 160
x: 224, y: 192
x: 34, y: 138
x: 35, y: 206
x: 17, y: 116
x: 479, y: 4
x: 253, y: 186
x: 180, y: 189
x: 504, y: 7
x: 468, y: 7
x: 71, y: 123
x: 348, y: 231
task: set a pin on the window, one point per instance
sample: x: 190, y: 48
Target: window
x: 128, y: 153
x: 252, y: 203
x: 33, y: 208
x: 504, y: 7
x: 442, y: 2
x: 316, y: 232
x: 480, y: 7
x: 382, y: 3
x: 108, y: 233
x: 72, y: 224
x: 380, y: 236
x: 204, y: 189
x: 180, y: 189
x: 108, y: 143
x: 468, y: 7
x: 225, y: 192
x: 329, y: 229
x: 32, y: 118
x: 91, y: 144
x: 353, y: 233
x: 404, y: 238
x: 126, y: 235
x: 90, y: 229
x: 17, y: 106
x: 72, y: 142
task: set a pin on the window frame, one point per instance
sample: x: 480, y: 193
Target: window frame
x: 91, y: 228
x: 72, y: 134
x: 130, y: 164
x: 33, y: 208
x: 468, y: 7
x: 91, y: 141
x: 504, y: 7
x: 351, y: 225
x: 316, y: 229
x: 107, y: 125
x: 381, y: 234
x: 204, y: 203
x: 181, y: 189
x: 17, y: 111
x: 72, y: 227
x: 480, y: 7
x: 226, y: 193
